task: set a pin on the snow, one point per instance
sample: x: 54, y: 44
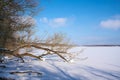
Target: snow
x: 43, y: 59
x: 102, y: 63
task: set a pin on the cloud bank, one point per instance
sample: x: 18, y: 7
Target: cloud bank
x: 55, y: 22
x: 111, y: 23
x: 114, y: 24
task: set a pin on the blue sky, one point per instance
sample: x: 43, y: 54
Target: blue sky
x: 84, y: 21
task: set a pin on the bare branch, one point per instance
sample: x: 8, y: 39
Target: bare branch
x: 31, y: 55
x: 42, y: 48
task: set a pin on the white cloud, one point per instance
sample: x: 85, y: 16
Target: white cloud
x: 55, y: 22
x: 58, y: 22
x: 44, y: 19
x: 111, y: 23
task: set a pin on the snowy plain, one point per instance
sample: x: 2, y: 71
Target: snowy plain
x: 101, y: 63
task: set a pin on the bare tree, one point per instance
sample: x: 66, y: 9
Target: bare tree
x: 16, y: 31
x: 13, y: 20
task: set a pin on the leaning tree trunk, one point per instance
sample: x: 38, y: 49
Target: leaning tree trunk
x: 62, y: 53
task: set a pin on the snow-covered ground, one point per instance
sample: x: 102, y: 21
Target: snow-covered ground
x: 102, y: 63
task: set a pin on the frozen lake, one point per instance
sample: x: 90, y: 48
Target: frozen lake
x: 102, y: 63
x: 101, y: 56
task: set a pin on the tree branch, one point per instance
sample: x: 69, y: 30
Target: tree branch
x: 31, y: 55
x: 49, y: 52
